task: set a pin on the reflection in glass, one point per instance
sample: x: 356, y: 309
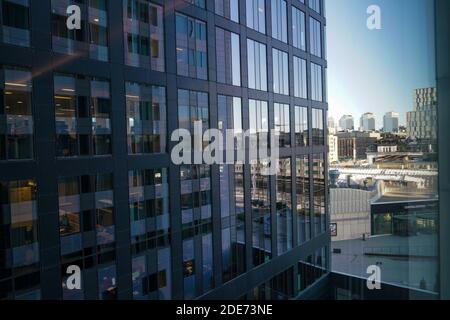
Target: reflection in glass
x: 261, y: 215
x: 279, y: 20
x: 16, y: 22
x: 228, y: 57
x: 256, y: 15
x: 16, y: 111
x: 228, y: 9
x: 146, y: 115
x: 284, y: 206
x: 91, y: 40
x: 192, y: 60
x: 144, y: 35
x: 280, y: 72
x: 257, y: 65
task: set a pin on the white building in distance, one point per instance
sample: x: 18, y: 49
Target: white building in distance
x: 367, y: 122
x: 347, y: 122
x: 390, y: 122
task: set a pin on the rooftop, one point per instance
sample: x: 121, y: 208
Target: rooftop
x: 406, y: 197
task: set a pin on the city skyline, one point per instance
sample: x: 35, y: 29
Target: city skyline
x: 357, y: 121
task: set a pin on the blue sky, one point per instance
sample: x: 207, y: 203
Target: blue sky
x: 377, y: 71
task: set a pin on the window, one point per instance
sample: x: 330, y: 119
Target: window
x: 298, y: 29
x: 279, y: 20
x: 257, y: 65
x: 303, y: 199
x: 260, y: 189
x: 228, y: 57
x: 89, y: 41
x: 259, y: 118
x: 300, y: 79
x: 16, y: 110
x: 319, y: 209
x: 207, y: 262
x: 318, y: 132
x: 193, y: 107
x: 228, y: 9
x: 233, y: 221
x: 284, y: 206
x: 107, y: 283
x: 195, y: 194
x: 149, y: 282
x: 301, y: 126
x: 315, y: 5
x: 101, y: 117
x: 280, y: 72
x: 261, y: 215
x: 83, y: 118
x: 315, y: 37
x: 70, y: 226
x: 149, y: 208
x: 79, y: 213
x: 231, y: 196
x: 282, y: 124
x: 230, y: 116
x: 98, y: 30
x: 189, y: 272
x: 192, y: 54
x: 256, y: 15
x: 104, y: 206
x: 144, y: 35
x: 146, y: 118
x: 16, y: 22
x: 196, y: 203
x: 198, y: 3
x: 19, y: 240
x: 150, y: 238
x: 316, y: 82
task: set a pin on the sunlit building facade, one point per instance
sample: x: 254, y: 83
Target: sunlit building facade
x: 422, y: 121
x: 367, y: 122
x: 391, y: 122
x: 346, y: 122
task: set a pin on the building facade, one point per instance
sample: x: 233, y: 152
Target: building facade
x: 347, y: 122
x: 367, y: 122
x: 391, y: 122
x: 353, y: 145
x: 422, y: 121
x: 87, y: 180
x: 349, y: 213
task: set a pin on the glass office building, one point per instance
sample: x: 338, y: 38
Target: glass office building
x: 86, y: 177
x: 87, y: 180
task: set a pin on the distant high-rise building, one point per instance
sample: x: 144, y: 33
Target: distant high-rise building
x: 367, y: 122
x: 347, y: 122
x: 390, y: 122
x: 421, y: 122
x: 331, y: 123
